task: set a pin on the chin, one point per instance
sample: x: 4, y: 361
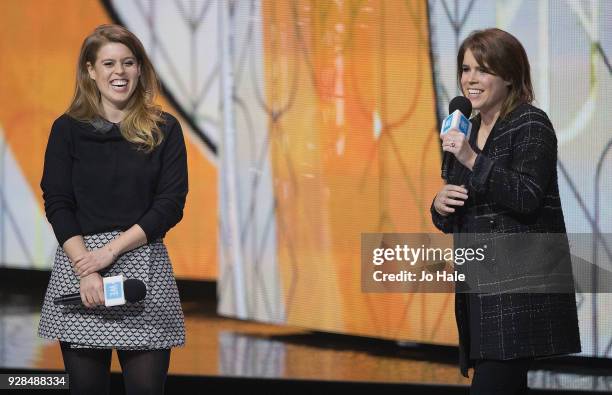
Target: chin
x: 477, y: 103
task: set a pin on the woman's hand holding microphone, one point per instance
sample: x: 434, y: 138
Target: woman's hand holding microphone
x: 457, y: 144
x: 92, y: 290
x: 86, y: 267
x: 452, y: 196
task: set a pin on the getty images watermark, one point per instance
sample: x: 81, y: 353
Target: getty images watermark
x: 481, y: 263
x: 404, y: 262
x: 403, y: 253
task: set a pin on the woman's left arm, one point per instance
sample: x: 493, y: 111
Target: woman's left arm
x: 169, y: 199
x: 166, y: 209
x: 522, y: 186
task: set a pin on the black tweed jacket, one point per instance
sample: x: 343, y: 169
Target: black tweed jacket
x: 513, y: 189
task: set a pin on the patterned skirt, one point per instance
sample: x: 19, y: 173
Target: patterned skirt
x: 156, y: 322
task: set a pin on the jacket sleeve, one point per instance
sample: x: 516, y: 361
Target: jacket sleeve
x: 522, y: 186
x: 169, y: 198
x: 56, y: 184
x: 445, y: 224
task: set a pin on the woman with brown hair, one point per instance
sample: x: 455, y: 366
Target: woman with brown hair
x: 503, y: 181
x: 114, y: 182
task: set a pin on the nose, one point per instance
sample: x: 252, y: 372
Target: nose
x: 471, y: 77
x: 119, y: 68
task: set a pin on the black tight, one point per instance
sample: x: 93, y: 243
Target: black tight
x: 144, y: 372
x: 88, y: 369
x: 500, y: 377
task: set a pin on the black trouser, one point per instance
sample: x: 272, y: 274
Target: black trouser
x: 144, y: 371
x: 500, y: 377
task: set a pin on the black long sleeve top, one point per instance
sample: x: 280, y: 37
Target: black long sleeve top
x: 96, y: 181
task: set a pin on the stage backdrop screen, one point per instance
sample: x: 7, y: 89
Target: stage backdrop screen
x: 307, y: 124
x: 333, y: 132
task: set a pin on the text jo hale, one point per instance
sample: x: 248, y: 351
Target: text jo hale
x: 425, y: 276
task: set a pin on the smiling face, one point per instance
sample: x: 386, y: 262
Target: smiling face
x: 486, y: 91
x: 116, y: 72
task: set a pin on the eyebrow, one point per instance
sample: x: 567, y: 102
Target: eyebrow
x: 126, y: 58
x: 477, y: 66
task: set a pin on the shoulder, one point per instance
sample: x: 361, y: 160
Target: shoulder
x: 530, y: 125
x: 63, y: 126
x: 169, y: 122
x: 170, y: 127
x: 526, y: 119
x: 67, y: 123
x: 172, y: 132
x: 64, y: 122
x: 528, y: 115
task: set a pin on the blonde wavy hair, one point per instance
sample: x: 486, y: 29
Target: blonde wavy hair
x: 141, y: 124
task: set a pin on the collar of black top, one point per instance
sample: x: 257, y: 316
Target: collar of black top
x: 101, y: 125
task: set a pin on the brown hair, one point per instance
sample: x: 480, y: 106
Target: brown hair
x: 140, y: 126
x: 500, y: 53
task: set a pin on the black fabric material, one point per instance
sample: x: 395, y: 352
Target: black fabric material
x: 88, y: 369
x: 144, y: 372
x: 500, y: 377
x: 474, y: 313
x: 473, y: 305
x: 95, y: 181
x: 512, y: 188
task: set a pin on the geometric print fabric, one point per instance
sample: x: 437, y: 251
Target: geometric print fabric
x: 156, y: 322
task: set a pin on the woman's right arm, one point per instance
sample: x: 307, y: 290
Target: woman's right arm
x: 60, y: 205
x: 56, y: 183
x: 91, y: 286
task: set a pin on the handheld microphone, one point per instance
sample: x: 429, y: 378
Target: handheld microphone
x: 459, y: 109
x: 116, y: 292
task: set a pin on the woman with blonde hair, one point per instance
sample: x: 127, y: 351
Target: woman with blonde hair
x: 114, y: 182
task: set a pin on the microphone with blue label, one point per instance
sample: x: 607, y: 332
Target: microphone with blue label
x: 116, y: 292
x: 459, y: 109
